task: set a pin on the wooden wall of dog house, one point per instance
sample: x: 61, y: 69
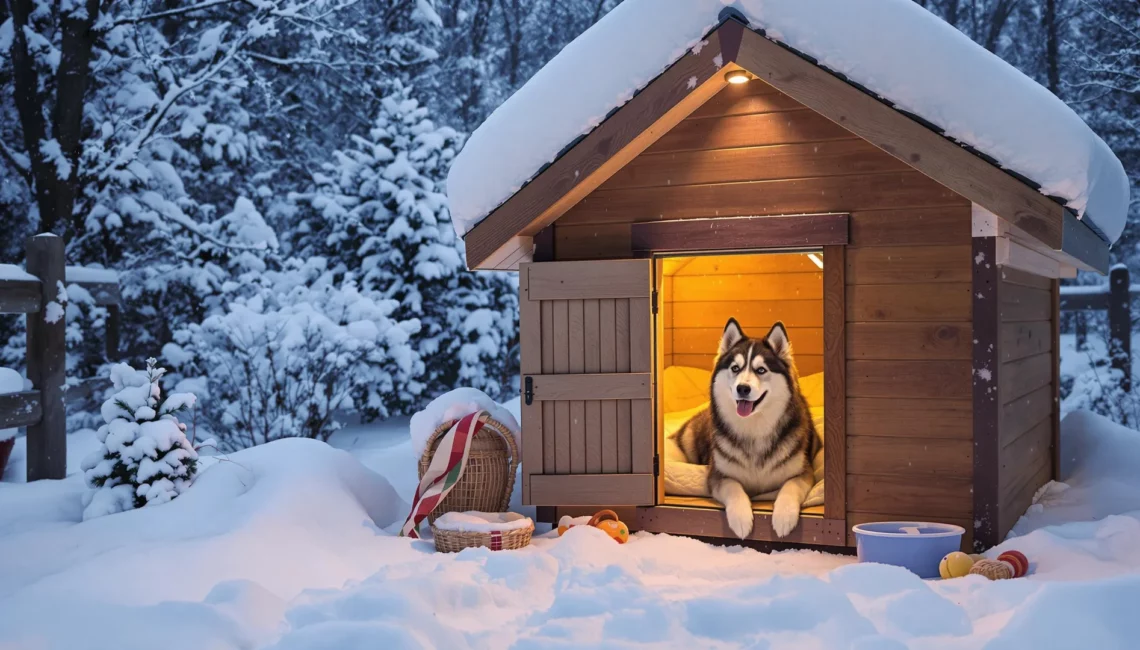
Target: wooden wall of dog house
x: 702, y: 293
x: 753, y: 151
x: 1027, y: 387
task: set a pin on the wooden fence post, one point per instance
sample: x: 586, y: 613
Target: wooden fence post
x: 47, y: 359
x: 1120, y: 324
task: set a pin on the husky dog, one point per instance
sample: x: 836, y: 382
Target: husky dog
x: 757, y: 434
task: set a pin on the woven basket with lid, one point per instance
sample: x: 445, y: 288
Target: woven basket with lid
x: 489, y: 477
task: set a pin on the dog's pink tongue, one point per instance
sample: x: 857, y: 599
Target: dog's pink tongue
x: 744, y: 408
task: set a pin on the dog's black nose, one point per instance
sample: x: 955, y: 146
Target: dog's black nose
x: 743, y: 390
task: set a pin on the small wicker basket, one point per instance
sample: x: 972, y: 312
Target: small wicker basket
x: 453, y: 541
x: 489, y: 477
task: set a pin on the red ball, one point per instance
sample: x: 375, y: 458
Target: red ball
x: 1017, y: 560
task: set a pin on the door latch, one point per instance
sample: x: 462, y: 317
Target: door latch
x: 528, y: 391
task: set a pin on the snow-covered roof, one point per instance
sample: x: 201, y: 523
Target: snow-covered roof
x: 893, y: 48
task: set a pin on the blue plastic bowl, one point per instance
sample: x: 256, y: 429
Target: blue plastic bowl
x: 914, y: 545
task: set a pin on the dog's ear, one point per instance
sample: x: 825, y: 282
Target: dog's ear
x: 778, y: 340
x: 731, y: 336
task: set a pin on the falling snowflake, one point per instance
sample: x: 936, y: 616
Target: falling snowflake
x: 692, y: 82
x: 718, y: 61
x: 979, y: 258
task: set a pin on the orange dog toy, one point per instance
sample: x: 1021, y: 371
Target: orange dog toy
x: 606, y: 520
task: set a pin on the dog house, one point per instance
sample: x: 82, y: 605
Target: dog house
x: 917, y: 274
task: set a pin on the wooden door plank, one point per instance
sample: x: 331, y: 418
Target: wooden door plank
x: 608, y: 363
x: 592, y: 386
x: 577, y: 406
x: 561, y: 366
x: 599, y: 279
x: 530, y: 362
x: 593, y: 349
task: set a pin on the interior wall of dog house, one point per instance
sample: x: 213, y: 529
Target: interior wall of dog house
x: 910, y: 424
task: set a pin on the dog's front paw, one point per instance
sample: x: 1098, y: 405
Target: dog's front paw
x: 785, y: 516
x: 740, y: 519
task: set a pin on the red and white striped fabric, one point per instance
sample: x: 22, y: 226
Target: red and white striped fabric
x: 447, y: 465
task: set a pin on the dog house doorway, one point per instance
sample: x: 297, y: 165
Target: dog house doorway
x: 697, y: 294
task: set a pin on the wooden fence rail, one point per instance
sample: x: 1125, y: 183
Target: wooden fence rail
x: 1116, y: 299
x: 40, y: 292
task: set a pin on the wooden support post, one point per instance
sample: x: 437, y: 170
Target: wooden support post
x: 47, y: 359
x: 1120, y: 324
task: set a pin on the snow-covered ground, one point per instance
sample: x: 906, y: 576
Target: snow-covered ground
x: 291, y: 546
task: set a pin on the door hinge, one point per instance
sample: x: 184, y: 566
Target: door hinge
x: 528, y: 391
x: 654, y: 301
x: 656, y: 465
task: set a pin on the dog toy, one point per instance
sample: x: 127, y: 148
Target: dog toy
x: 993, y: 569
x: 1017, y: 560
x: 606, y: 520
x: 955, y: 565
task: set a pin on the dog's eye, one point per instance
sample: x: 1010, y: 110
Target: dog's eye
x: 735, y: 368
x: 761, y: 371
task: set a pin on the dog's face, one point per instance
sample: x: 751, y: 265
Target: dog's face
x: 752, y: 375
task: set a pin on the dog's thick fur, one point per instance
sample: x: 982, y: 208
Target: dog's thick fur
x: 754, y: 449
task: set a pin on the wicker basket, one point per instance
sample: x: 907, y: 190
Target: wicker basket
x: 453, y: 541
x: 489, y: 477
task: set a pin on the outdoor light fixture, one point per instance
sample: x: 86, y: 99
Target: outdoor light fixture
x: 737, y: 76
x: 817, y: 259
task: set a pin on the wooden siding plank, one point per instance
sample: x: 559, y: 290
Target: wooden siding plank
x: 705, y: 340
x: 911, y: 226
x: 755, y: 314
x: 909, y: 265
x: 1020, y: 303
x: 926, y: 418
x: 1023, y: 278
x: 1020, y: 340
x: 1021, y: 377
x: 908, y: 379
x: 1023, y: 413
x: 744, y: 99
x: 908, y: 140
x: 592, y: 241
x: 780, y: 197
x: 767, y: 287
x: 924, y: 497
x: 908, y: 302
x: 773, y: 162
x: 835, y: 383
x: 593, y: 490
x: 909, y: 340
x: 601, y: 279
x: 1021, y: 459
x: 910, y: 456
x: 750, y: 130
x: 1017, y: 505
x: 744, y: 264
x: 806, y: 364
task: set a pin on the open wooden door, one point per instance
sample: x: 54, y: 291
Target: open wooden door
x: 587, y: 413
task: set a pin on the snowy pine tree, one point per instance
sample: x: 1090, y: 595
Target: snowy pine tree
x: 378, y: 209
x: 145, y: 457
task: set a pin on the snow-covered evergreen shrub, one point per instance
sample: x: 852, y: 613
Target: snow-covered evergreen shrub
x: 294, y: 347
x: 145, y: 457
x: 379, y: 211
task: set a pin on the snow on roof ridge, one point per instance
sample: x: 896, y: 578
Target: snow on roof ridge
x: 977, y: 99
